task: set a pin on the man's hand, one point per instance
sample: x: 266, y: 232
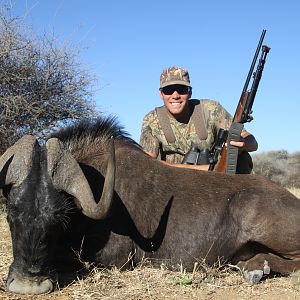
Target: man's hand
x: 248, y: 142
x: 186, y: 166
x: 195, y: 167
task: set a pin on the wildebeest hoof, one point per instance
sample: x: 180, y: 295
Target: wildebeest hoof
x: 254, y: 276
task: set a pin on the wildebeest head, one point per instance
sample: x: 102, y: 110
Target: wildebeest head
x: 36, y: 182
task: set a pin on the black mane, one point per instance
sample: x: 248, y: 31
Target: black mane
x: 101, y: 127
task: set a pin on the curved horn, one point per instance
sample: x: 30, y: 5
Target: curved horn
x: 17, y: 160
x: 67, y: 175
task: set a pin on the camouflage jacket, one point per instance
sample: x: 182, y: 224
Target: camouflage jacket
x: 153, y: 138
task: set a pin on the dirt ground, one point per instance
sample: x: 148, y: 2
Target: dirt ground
x: 146, y: 282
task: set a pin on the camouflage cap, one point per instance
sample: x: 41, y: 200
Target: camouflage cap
x: 174, y: 75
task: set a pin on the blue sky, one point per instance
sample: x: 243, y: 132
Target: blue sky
x: 128, y: 43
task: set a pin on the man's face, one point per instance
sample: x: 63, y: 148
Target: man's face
x: 176, y: 98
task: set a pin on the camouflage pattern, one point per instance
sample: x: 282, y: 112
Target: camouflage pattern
x: 153, y: 139
x: 174, y: 75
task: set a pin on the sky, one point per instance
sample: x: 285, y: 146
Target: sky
x: 127, y: 43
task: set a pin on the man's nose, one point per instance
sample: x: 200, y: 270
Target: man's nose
x: 175, y: 95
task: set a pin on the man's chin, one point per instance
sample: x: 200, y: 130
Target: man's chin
x: 176, y: 115
x: 176, y: 111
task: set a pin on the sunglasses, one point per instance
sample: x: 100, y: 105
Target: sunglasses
x: 180, y: 89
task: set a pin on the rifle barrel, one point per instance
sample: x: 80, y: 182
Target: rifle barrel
x: 254, y: 60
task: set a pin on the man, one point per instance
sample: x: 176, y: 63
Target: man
x: 169, y: 132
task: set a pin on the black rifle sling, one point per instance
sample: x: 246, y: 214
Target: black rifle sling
x: 197, y: 117
x: 234, y: 134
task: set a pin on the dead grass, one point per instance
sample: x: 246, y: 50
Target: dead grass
x: 145, y: 282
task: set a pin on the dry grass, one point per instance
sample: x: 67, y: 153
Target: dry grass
x: 145, y: 282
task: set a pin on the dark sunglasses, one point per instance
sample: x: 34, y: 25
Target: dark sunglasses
x: 180, y: 89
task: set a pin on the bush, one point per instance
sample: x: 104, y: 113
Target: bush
x: 279, y: 166
x: 42, y: 83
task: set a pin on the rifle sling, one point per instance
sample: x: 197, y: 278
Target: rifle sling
x: 234, y: 134
x: 198, y: 119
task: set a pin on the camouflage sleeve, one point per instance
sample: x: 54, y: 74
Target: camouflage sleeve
x: 222, y: 117
x: 147, y: 140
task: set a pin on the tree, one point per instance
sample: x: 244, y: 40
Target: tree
x: 42, y: 84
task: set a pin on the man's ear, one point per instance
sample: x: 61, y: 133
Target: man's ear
x: 161, y: 94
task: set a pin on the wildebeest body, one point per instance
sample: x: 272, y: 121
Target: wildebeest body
x: 173, y: 216
x: 211, y: 215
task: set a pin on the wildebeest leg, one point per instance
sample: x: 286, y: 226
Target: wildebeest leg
x: 263, y: 263
x: 119, y: 251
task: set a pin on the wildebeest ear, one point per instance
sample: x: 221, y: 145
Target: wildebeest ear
x: 16, y: 162
x: 67, y: 176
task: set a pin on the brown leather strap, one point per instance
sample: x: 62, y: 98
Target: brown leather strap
x: 164, y: 122
x: 198, y: 119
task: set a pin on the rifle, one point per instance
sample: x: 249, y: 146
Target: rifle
x: 243, y: 114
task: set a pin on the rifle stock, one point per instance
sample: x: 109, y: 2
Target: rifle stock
x: 221, y: 166
x: 244, y: 108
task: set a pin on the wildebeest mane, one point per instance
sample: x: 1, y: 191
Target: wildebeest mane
x: 92, y: 134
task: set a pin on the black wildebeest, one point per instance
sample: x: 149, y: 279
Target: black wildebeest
x: 147, y: 209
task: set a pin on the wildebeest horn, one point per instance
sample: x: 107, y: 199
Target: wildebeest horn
x: 68, y: 176
x: 17, y: 160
